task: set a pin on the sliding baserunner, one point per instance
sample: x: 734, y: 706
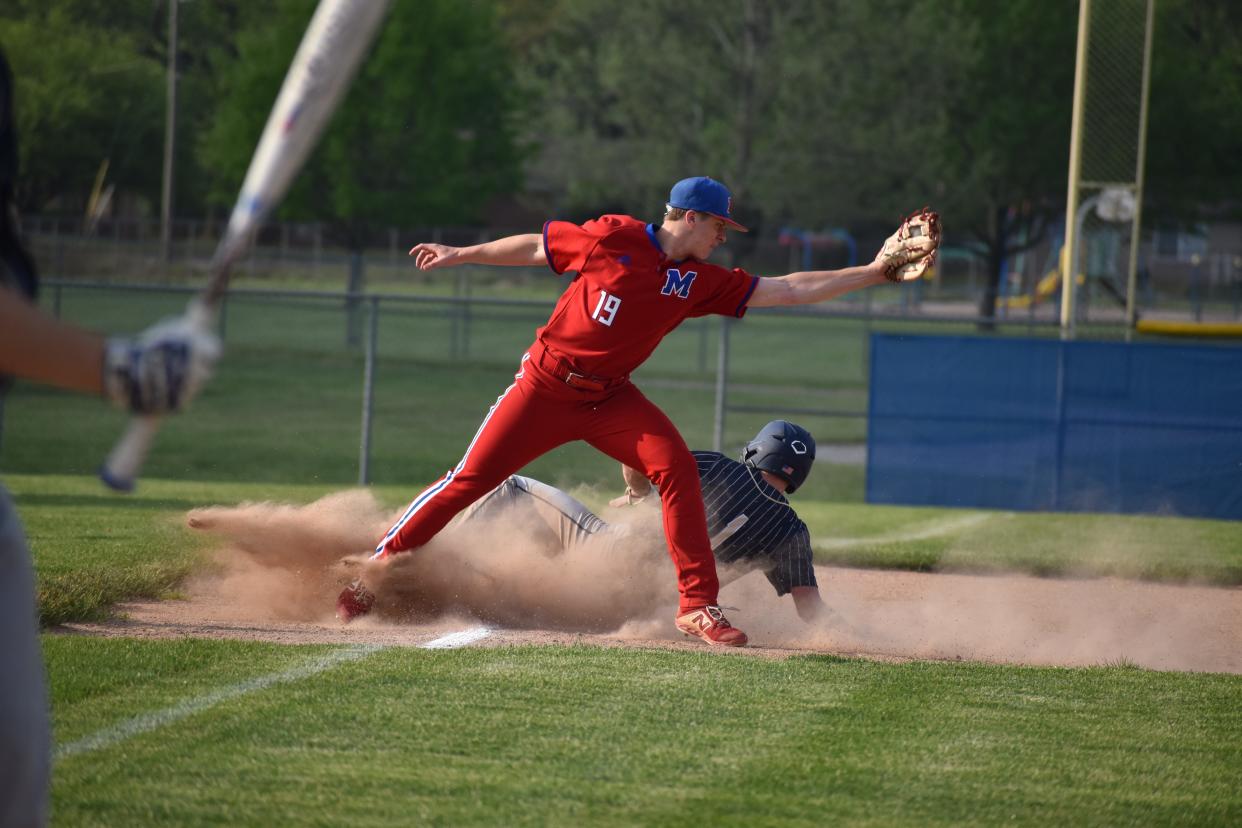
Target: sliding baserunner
x: 749, y: 520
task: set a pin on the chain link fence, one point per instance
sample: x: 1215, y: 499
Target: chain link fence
x: 368, y: 357
x: 1190, y: 272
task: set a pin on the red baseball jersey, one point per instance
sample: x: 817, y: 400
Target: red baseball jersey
x: 628, y: 295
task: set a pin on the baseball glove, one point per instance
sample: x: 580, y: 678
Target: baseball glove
x: 908, y: 253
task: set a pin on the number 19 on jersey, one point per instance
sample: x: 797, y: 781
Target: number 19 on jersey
x: 606, y: 308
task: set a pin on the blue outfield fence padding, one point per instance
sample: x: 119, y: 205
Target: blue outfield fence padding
x: 1046, y: 425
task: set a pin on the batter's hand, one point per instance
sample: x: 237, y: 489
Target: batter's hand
x: 428, y: 256
x: 163, y: 368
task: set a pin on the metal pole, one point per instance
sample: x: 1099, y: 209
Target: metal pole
x: 170, y: 132
x: 455, y: 320
x: 722, y: 382
x: 1075, y: 169
x: 1084, y: 211
x: 1058, y: 460
x: 466, y: 315
x: 222, y: 317
x: 368, y: 391
x: 703, y: 345
x: 1136, y: 229
x: 866, y: 335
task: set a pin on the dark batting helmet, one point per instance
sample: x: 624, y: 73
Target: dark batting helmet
x: 784, y: 449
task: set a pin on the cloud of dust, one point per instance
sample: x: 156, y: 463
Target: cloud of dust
x: 281, y: 560
x: 501, y: 571
x: 1028, y: 620
x: 290, y: 561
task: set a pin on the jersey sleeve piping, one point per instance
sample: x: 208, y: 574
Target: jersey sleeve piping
x: 741, y: 307
x: 547, y: 251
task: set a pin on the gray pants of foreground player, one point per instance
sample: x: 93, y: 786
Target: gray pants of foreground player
x: 25, y: 737
x: 567, y: 519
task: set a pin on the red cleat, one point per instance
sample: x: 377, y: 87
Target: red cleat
x: 354, y: 601
x: 709, y: 624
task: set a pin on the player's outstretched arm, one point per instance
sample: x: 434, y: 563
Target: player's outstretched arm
x: 809, y: 286
x: 157, y: 372
x: 525, y: 250
x: 904, y: 257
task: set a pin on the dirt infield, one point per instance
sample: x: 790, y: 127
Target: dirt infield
x: 281, y: 566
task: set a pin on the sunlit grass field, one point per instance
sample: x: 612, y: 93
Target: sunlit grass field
x: 192, y: 732
x: 167, y: 733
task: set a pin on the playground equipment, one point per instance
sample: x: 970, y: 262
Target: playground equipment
x: 1048, y: 287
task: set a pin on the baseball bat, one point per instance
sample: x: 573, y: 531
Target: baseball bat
x: 338, y: 36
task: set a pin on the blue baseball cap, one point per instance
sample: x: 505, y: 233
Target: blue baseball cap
x: 704, y: 195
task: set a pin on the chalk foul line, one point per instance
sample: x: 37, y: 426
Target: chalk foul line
x: 147, y: 722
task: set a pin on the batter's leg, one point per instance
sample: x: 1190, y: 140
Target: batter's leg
x: 630, y: 428
x: 25, y: 735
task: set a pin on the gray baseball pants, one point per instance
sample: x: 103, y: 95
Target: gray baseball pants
x: 25, y: 734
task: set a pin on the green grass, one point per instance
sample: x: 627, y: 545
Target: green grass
x: 283, y: 415
x: 93, y: 548
x: 587, y: 736
x: 288, y: 416
x: 572, y: 736
x: 959, y: 540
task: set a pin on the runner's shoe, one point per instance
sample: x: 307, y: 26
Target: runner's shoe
x: 354, y: 601
x: 709, y: 624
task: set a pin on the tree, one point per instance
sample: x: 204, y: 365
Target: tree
x: 634, y: 96
x: 83, y: 95
x: 1006, y: 162
x: 1194, y: 138
x: 91, y: 75
x: 423, y: 136
x: 811, y: 110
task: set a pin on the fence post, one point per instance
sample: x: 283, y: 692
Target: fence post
x: 1058, y: 460
x: 368, y: 391
x: 318, y: 248
x: 353, y: 292
x: 464, y: 277
x: 722, y: 383
x: 454, y: 311
x: 222, y: 317
x: 703, y: 324
x: 1237, y: 286
x: 866, y: 340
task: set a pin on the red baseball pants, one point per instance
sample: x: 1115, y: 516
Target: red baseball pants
x: 539, y: 412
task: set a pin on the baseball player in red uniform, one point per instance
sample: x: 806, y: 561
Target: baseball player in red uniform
x: 635, y: 283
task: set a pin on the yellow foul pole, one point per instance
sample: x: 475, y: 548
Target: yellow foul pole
x: 1068, y: 258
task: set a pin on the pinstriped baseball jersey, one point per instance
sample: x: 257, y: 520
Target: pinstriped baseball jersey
x: 747, y: 527
x: 771, y: 537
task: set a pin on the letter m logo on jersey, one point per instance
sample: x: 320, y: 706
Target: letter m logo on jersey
x: 675, y: 283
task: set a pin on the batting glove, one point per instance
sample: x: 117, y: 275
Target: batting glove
x: 161, y: 370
